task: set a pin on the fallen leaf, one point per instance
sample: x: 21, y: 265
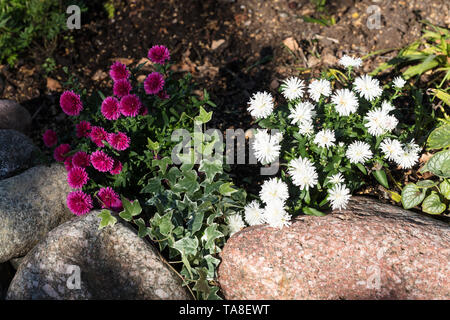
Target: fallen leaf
x: 125, y: 61
x: 53, y: 85
x: 291, y: 44
x: 217, y: 43
x: 99, y: 75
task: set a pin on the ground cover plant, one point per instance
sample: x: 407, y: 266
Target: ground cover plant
x: 119, y: 159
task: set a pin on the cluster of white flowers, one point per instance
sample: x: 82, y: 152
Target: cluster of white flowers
x: 406, y: 156
x: 273, y: 194
x: 302, y: 171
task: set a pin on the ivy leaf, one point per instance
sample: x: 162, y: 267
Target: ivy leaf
x: 213, y: 294
x: 412, y: 196
x: 203, y: 117
x: 445, y: 189
x: 152, y: 145
x: 439, y: 138
x: 196, y: 222
x: 202, y: 285
x: 143, y: 230
x: 212, y: 265
x: 211, y: 234
x: 165, y: 224
x: 107, y: 219
x: 439, y: 164
x: 381, y: 177
x: 154, y: 186
x: 187, y: 246
x: 211, y: 168
x: 226, y: 189
x: 432, y: 204
x: 173, y: 174
x: 189, y: 182
x: 162, y: 164
x: 131, y: 209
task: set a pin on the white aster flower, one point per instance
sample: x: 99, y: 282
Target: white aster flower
x: 399, y: 82
x: 339, y: 195
x: 261, y: 105
x: 274, y: 189
x: 368, y: 87
x: 379, y: 122
x: 325, y: 138
x: 303, y: 173
x: 387, y: 107
x: 318, y: 88
x: 348, y: 62
x: 306, y: 128
x: 254, y: 215
x: 235, y: 223
x: 345, y: 101
x: 275, y: 215
x: 336, y: 178
x: 409, y: 155
x: 358, y: 152
x: 391, y: 148
x: 292, y: 88
x: 303, y: 112
x: 266, y: 147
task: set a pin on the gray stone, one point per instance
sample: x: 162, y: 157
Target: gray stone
x: 17, y: 152
x: 370, y: 250
x: 16, y: 262
x: 113, y: 263
x: 14, y: 116
x: 31, y: 204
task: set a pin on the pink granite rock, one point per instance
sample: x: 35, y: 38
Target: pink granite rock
x: 369, y: 251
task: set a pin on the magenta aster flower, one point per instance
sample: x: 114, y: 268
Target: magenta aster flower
x: 109, y: 198
x: 130, y: 105
x: 163, y: 95
x: 118, y: 141
x: 50, y: 138
x: 119, y: 71
x: 159, y: 54
x: 77, y: 177
x: 81, y: 159
x: 116, y: 168
x: 60, y: 152
x: 83, y: 128
x: 70, y: 103
x: 68, y: 163
x: 110, y: 108
x: 101, y: 161
x: 79, y: 202
x: 98, y: 135
x: 154, y: 83
x: 143, y: 111
x: 121, y: 88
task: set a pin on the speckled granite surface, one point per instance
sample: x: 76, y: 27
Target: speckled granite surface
x: 114, y: 263
x: 369, y: 251
x: 31, y: 204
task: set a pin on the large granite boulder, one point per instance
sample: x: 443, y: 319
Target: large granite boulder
x: 369, y: 251
x: 14, y: 116
x: 31, y: 204
x: 78, y: 261
x: 17, y: 152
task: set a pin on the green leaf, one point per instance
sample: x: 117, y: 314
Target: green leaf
x: 210, y: 236
x: 381, y: 177
x: 412, y: 196
x: 313, y: 212
x: 131, y: 209
x: 212, y: 265
x: 162, y: 164
x: 211, y: 168
x: 202, y: 285
x: 107, y: 219
x: 439, y: 164
x: 427, y: 183
x: 432, y: 204
x: 187, y: 246
x: 439, y: 138
x: 362, y: 168
x: 445, y: 189
x: 165, y: 224
x: 143, y: 230
x: 189, y: 182
x: 427, y: 64
x: 152, y: 145
x: 173, y: 174
x: 153, y: 186
x: 226, y: 189
x: 203, y: 117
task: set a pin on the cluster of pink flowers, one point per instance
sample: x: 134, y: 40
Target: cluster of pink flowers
x: 123, y: 103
